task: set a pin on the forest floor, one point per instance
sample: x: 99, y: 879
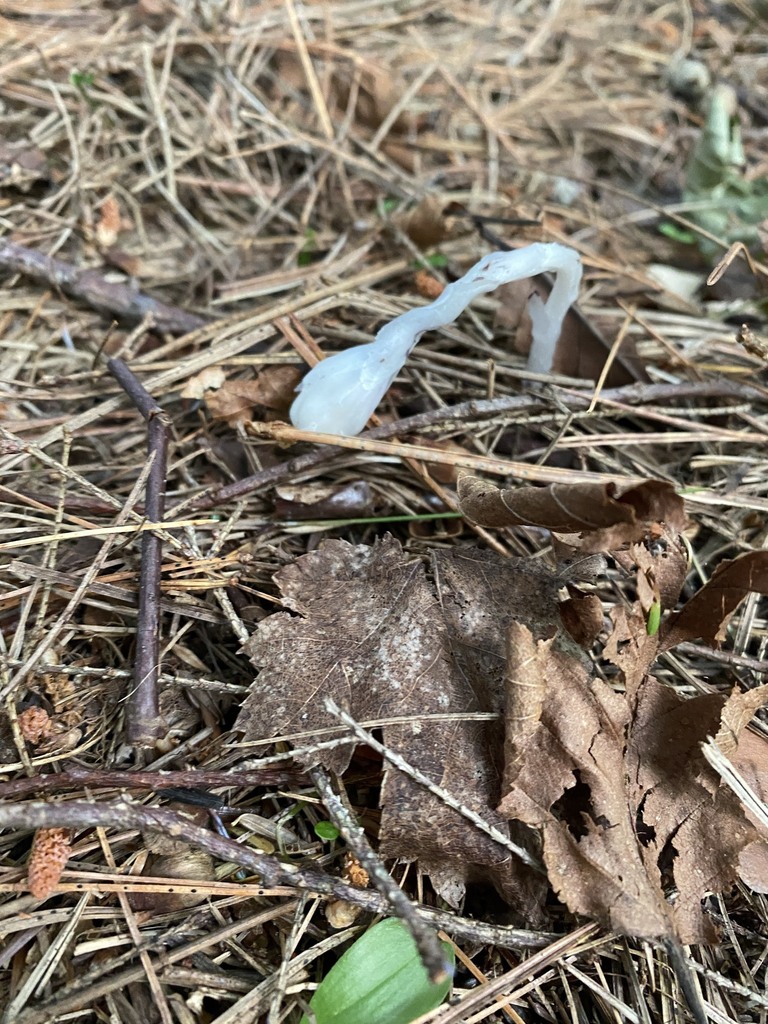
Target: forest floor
x: 200, y: 198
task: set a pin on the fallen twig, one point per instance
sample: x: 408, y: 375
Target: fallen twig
x: 144, y: 722
x: 92, y: 288
x: 80, y: 814
x: 76, y: 778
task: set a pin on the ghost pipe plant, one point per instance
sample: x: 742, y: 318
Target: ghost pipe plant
x: 339, y: 395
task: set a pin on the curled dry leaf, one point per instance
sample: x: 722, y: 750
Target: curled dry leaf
x: 611, y: 519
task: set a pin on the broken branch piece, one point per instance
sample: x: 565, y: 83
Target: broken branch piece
x: 339, y: 395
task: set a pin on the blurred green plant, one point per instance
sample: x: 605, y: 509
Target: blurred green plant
x: 82, y: 81
x: 307, y: 254
x: 727, y: 203
x: 379, y: 980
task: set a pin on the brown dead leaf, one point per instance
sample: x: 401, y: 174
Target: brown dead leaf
x: 370, y: 631
x: 691, y: 827
x: 635, y: 827
x: 707, y: 614
x: 750, y: 759
x: 625, y: 801
x: 235, y: 400
x: 324, y: 501
x: 425, y: 224
x: 610, y: 519
x: 660, y: 566
x: 582, y: 616
x: 569, y: 784
x: 736, y: 716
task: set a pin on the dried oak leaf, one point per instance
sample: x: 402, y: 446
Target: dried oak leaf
x: 750, y: 759
x: 609, y: 519
x: 618, y: 787
x: 691, y: 827
x: 370, y: 631
x: 708, y: 612
x: 564, y: 774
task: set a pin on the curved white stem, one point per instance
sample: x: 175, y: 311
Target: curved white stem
x: 339, y: 395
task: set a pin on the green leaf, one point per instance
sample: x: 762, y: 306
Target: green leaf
x: 379, y: 980
x: 676, y: 233
x: 326, y: 830
x: 654, y: 619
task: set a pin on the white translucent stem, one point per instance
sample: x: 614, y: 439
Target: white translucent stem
x: 339, y: 395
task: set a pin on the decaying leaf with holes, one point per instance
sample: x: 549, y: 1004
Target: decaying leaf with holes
x: 627, y: 806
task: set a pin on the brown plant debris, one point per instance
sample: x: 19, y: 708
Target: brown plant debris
x: 51, y: 849
x: 707, y: 614
x: 366, y: 628
x: 35, y: 724
x: 92, y: 287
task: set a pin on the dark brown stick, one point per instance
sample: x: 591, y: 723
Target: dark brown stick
x: 92, y: 288
x: 472, y: 411
x: 81, y: 814
x: 77, y: 778
x: 144, y: 723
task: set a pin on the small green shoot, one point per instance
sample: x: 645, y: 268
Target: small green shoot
x: 677, y: 233
x: 379, y: 980
x: 307, y: 254
x: 82, y: 81
x: 654, y: 619
x: 326, y: 831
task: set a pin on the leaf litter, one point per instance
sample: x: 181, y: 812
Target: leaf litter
x: 631, y: 823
